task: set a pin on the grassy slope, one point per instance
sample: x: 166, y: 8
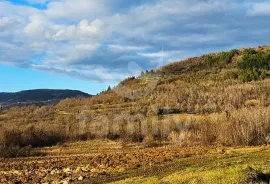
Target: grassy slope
x: 249, y: 165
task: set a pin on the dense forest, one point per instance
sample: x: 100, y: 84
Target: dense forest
x: 221, y: 98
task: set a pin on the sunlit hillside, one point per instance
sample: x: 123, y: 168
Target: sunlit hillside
x: 204, y: 108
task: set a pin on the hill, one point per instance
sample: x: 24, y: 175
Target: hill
x: 201, y: 114
x: 225, y: 92
x: 206, y: 84
x: 38, y: 97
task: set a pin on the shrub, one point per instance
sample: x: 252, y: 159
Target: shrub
x: 30, y: 136
x: 253, y: 65
x: 220, y: 59
x: 245, y: 127
x: 13, y: 143
x: 40, y: 138
x: 11, y: 138
x: 17, y: 151
x: 250, y: 127
x: 252, y: 75
x: 226, y: 57
x: 259, y: 61
x: 211, y: 60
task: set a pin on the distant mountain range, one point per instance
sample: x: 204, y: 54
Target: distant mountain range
x: 38, y: 97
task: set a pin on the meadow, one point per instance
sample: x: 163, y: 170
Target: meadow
x: 101, y: 161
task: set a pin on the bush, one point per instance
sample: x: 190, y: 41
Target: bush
x: 221, y: 59
x: 17, y: 143
x: 40, y: 138
x: 226, y: 57
x: 250, y: 127
x: 16, y: 151
x: 12, y: 144
x: 30, y: 136
x: 252, y: 75
x: 245, y: 127
x: 11, y: 138
x: 253, y: 65
x: 211, y: 60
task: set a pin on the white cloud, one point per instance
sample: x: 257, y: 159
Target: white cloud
x: 5, y: 21
x: 126, y: 48
x: 8, y: 9
x: 82, y: 37
x: 259, y: 9
x: 70, y: 54
x: 87, y: 47
x: 84, y: 72
x: 84, y: 30
x: 36, y: 26
x: 154, y: 55
x: 77, y: 10
x: 9, y: 26
x: 87, y: 28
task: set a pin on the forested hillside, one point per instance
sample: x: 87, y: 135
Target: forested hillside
x: 38, y: 96
x: 221, y: 98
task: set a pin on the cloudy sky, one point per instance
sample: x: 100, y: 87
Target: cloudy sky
x: 89, y: 44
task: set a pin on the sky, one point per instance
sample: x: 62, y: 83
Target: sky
x: 90, y: 44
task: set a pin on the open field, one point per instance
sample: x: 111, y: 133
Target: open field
x: 108, y: 161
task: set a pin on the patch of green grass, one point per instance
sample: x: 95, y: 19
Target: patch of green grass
x: 231, y: 174
x: 140, y: 180
x: 245, y: 165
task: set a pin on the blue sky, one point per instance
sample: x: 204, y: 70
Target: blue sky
x: 15, y: 79
x: 90, y: 44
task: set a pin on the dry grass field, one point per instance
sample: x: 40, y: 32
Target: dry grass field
x: 109, y: 161
x: 87, y: 161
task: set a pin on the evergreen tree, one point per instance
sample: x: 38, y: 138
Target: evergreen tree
x: 109, y: 88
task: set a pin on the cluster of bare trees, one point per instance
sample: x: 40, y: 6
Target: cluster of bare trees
x: 211, y: 97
